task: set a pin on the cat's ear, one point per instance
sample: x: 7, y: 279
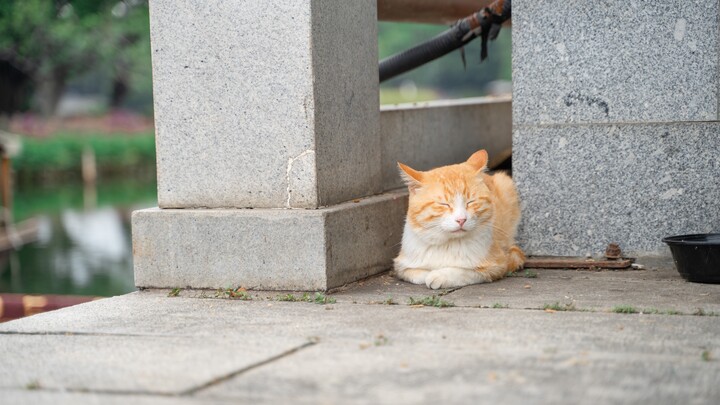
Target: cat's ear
x: 412, y: 177
x: 479, y: 160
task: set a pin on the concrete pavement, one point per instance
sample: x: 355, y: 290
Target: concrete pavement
x: 370, y: 346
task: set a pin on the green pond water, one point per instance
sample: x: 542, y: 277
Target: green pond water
x: 84, y: 245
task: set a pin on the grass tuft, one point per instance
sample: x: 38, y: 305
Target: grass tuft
x: 559, y: 307
x: 525, y: 274
x: 498, y: 305
x: 624, y: 309
x: 381, y: 340
x: 237, y: 294
x: 433, y: 301
x: 33, y: 385
x: 318, y: 298
x: 321, y: 298
x: 174, y: 293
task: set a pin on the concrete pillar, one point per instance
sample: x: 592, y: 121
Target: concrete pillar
x: 265, y: 103
x: 615, y: 113
x: 270, y: 105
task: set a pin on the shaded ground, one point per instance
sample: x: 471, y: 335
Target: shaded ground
x: 496, y: 345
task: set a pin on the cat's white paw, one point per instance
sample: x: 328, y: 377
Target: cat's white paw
x: 415, y: 276
x: 451, y: 277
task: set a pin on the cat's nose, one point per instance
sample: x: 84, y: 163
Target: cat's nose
x: 461, y: 221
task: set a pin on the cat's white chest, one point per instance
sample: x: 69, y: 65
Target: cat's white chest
x: 468, y: 252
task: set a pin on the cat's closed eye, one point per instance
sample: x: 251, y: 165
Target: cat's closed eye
x: 469, y: 202
x: 442, y: 203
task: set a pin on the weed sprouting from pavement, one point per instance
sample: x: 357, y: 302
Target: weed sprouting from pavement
x: 318, y: 298
x: 525, y: 274
x: 559, y: 307
x: 433, y: 301
x: 706, y: 355
x: 624, y: 309
x: 701, y: 312
x: 234, y: 293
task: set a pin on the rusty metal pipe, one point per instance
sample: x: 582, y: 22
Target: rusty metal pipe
x: 484, y: 24
x: 428, y: 11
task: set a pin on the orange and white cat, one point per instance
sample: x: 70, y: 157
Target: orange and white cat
x: 460, y: 226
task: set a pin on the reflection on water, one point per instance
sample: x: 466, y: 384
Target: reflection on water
x: 84, y: 245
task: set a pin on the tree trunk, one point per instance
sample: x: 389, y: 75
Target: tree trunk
x: 14, y: 90
x: 120, y: 89
x: 48, y: 90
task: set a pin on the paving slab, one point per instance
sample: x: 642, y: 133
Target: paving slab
x: 196, y: 347
x: 24, y: 396
x: 612, y: 361
x: 381, y: 353
x: 131, y: 364
x: 657, y: 287
x: 652, y: 290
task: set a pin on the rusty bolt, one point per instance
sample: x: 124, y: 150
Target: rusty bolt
x: 613, y: 251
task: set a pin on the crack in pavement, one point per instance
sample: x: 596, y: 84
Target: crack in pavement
x: 243, y: 370
x: 185, y: 393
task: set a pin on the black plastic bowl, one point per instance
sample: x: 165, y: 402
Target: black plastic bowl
x: 697, y: 257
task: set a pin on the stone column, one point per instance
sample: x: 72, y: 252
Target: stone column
x: 270, y: 105
x: 616, y: 133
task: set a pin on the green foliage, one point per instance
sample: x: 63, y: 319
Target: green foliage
x: 53, y: 41
x: 64, y: 152
x: 559, y: 307
x: 381, y: 340
x: 321, y: 298
x: 174, y: 293
x: 233, y: 293
x: 498, y: 305
x: 33, y: 200
x: 525, y: 274
x: 33, y: 385
x: 395, y: 96
x: 433, y: 301
x: 447, y: 74
x: 318, y: 298
x: 702, y: 312
x: 624, y: 309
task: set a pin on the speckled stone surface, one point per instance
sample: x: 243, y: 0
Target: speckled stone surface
x: 615, y: 61
x: 438, y: 133
x: 583, y: 186
x: 265, y: 104
x: 274, y: 249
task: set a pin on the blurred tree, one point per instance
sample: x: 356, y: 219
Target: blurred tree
x: 50, y: 41
x: 447, y: 74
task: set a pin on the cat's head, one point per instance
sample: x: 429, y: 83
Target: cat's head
x: 448, y: 202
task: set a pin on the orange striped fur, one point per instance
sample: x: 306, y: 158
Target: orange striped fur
x: 460, y: 226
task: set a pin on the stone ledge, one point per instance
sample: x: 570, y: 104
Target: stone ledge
x: 271, y: 249
x: 437, y: 133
